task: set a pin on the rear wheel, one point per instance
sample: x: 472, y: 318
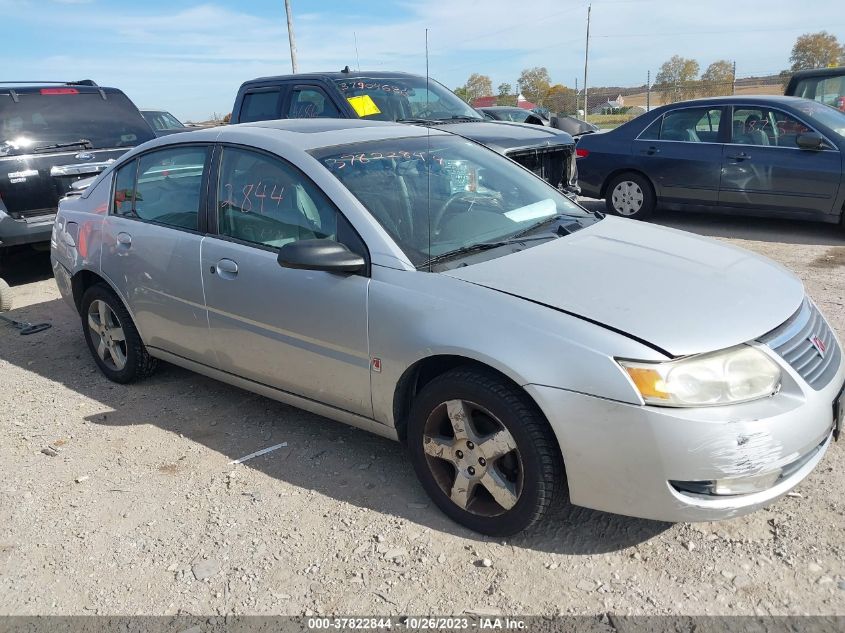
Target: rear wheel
x: 483, y: 452
x: 113, y: 338
x: 630, y: 195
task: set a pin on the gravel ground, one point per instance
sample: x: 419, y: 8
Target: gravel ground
x: 140, y: 512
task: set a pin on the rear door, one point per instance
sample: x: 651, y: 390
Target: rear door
x: 682, y: 154
x: 763, y: 167
x: 151, y: 247
x: 261, y: 104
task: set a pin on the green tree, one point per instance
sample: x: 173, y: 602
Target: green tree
x: 478, y: 86
x: 717, y: 79
x: 534, y: 84
x: 461, y: 91
x: 816, y: 50
x: 676, y: 79
x: 506, y: 96
x: 560, y: 99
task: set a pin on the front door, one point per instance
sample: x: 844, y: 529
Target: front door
x: 682, y: 153
x: 151, y: 248
x: 301, y: 331
x: 763, y: 167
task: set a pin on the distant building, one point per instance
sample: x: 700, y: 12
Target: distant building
x: 524, y: 103
x: 609, y: 107
x: 483, y: 102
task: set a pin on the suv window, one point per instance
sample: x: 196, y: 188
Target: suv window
x: 267, y: 201
x: 312, y: 103
x: 67, y: 115
x: 827, y: 90
x: 262, y: 105
x: 765, y: 127
x: 167, y: 189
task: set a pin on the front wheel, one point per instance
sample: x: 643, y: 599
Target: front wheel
x: 630, y: 195
x: 483, y: 452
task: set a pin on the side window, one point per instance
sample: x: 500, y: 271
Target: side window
x: 124, y: 189
x: 267, y: 201
x: 652, y: 132
x: 682, y: 125
x: 169, y: 186
x: 786, y: 129
x: 750, y: 126
x: 262, y: 105
x: 312, y: 103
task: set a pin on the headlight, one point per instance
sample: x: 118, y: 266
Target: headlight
x: 735, y: 375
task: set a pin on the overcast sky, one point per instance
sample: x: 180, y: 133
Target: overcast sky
x: 190, y: 56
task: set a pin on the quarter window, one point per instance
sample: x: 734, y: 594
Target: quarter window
x: 311, y: 103
x: 124, y: 189
x: 266, y: 201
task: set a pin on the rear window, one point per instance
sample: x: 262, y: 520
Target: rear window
x: 68, y: 117
x: 827, y: 90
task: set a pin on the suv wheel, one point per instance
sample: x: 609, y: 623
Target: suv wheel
x: 113, y: 338
x: 483, y: 452
x: 630, y: 195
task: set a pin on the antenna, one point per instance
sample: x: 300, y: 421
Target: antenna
x: 586, y: 58
x: 428, y: 147
x: 357, y: 59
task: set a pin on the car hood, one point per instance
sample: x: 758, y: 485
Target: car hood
x: 679, y: 292
x: 503, y: 135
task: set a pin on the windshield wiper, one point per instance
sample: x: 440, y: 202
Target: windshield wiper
x: 481, y: 246
x: 544, y: 222
x: 83, y: 142
x: 412, y: 120
x: 461, y: 117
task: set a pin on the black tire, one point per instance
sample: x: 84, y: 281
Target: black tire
x: 635, y: 199
x: 5, y: 296
x: 537, y: 451
x: 138, y: 362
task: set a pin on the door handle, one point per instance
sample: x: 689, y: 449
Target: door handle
x: 124, y: 239
x: 651, y: 151
x: 740, y: 156
x: 226, y: 268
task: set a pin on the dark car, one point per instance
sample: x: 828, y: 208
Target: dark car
x: 825, y: 85
x: 770, y: 156
x: 514, y: 115
x: 52, y: 135
x: 406, y: 98
x: 163, y: 123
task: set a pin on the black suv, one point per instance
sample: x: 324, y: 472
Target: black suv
x: 50, y: 136
x: 825, y: 85
x: 406, y: 98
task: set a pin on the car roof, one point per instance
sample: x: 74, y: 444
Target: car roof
x: 748, y: 99
x: 29, y: 88
x: 374, y: 74
x: 819, y: 72
x: 502, y: 108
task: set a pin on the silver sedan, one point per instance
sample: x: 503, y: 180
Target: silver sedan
x: 417, y: 285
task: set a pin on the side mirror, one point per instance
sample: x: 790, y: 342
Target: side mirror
x: 325, y: 255
x: 810, y: 140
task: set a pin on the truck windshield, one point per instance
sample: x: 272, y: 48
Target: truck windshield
x: 402, y: 98
x: 66, y: 119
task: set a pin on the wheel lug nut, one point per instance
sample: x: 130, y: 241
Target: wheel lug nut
x: 471, y: 470
x: 482, y: 461
x: 470, y: 445
x: 459, y: 454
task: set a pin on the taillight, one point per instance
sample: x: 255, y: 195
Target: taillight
x: 581, y: 153
x: 59, y: 91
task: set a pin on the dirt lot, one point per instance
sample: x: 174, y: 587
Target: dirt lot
x: 140, y: 511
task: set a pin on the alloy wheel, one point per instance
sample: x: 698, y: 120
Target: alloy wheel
x: 627, y: 198
x: 473, y: 458
x: 107, y: 335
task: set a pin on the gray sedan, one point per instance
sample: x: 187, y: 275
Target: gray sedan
x: 415, y: 284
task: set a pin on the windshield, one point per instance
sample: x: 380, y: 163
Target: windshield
x: 37, y: 120
x: 436, y: 196
x: 407, y: 97
x: 161, y: 120
x: 829, y: 117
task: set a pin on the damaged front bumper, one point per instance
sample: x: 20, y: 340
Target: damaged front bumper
x: 697, y: 464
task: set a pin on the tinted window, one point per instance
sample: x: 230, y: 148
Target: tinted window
x: 260, y: 106
x: 691, y: 125
x: 42, y: 119
x: 311, y: 103
x: 827, y: 90
x: 765, y: 127
x: 266, y: 201
x: 168, y: 187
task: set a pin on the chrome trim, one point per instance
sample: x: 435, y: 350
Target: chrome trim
x: 80, y: 169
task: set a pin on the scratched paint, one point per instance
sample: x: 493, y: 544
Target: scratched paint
x: 745, y: 453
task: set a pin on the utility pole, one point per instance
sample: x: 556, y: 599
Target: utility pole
x: 733, y: 79
x: 291, y: 37
x: 648, y: 91
x: 586, y: 59
x: 576, y: 97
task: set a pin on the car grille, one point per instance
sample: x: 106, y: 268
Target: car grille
x: 793, y: 341
x: 550, y: 163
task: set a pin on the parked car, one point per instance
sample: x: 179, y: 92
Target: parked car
x: 513, y: 114
x: 768, y: 156
x: 407, y: 281
x: 163, y: 122
x: 394, y: 96
x: 50, y: 136
x: 825, y: 85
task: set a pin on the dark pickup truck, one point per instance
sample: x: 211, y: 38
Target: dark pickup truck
x: 825, y: 85
x: 406, y: 98
x: 51, y: 135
